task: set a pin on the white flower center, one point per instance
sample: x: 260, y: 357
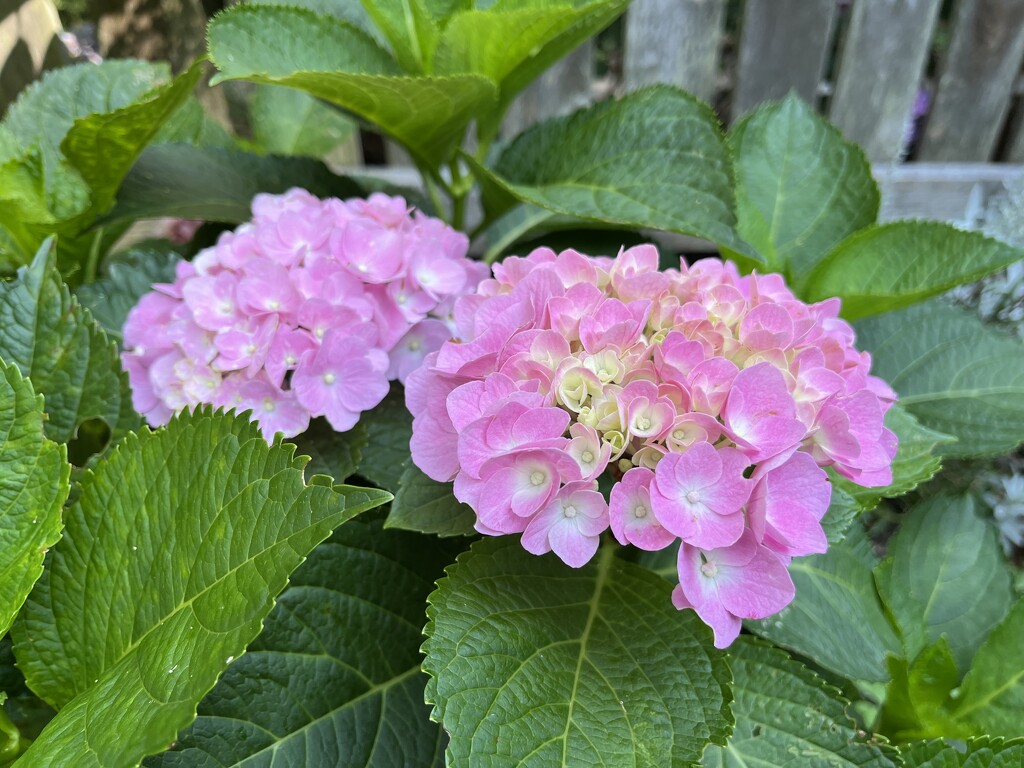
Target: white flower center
x: 693, y: 497
x: 268, y: 405
x: 328, y: 378
x: 273, y: 304
x: 678, y: 434
x: 569, y: 511
x: 640, y: 512
x: 709, y: 569
x: 588, y: 457
x: 537, y: 478
x: 643, y: 423
x: 414, y: 345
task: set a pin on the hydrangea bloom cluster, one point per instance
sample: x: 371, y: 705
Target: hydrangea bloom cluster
x: 309, y: 310
x: 712, y: 400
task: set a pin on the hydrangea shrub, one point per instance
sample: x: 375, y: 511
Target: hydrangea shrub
x: 713, y: 401
x: 593, y: 443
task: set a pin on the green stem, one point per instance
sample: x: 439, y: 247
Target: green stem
x: 459, y: 190
x: 93, y: 264
x: 15, y: 744
x: 433, y: 192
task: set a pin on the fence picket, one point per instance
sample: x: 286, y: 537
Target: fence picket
x: 674, y: 41
x: 783, y: 47
x: 977, y: 81
x: 883, y: 56
x: 563, y: 88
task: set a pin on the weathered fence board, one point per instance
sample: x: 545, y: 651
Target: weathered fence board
x: 883, y: 56
x: 977, y: 81
x: 563, y: 88
x: 783, y: 47
x: 674, y: 41
x: 28, y: 43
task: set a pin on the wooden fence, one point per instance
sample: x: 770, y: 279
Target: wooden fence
x: 865, y: 64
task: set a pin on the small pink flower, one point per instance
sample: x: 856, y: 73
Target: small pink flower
x: 632, y: 516
x: 570, y: 525
x: 345, y: 377
x: 787, y: 504
x: 274, y: 410
x: 699, y: 495
x: 760, y: 413
x: 724, y: 586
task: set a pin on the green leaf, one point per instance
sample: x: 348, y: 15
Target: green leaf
x: 103, y: 147
x: 56, y: 343
x: 917, y: 697
x: 836, y: 618
x: 171, y: 559
x: 23, y: 188
x: 111, y: 298
x: 290, y: 122
x: 512, y: 226
x: 842, y: 510
x: 217, y: 184
x: 915, y: 461
x: 191, y: 125
x: 46, y: 111
x: 334, y: 678
x: 654, y: 159
x: 536, y: 664
x: 800, y: 187
x: 335, y: 61
x: 894, y: 265
x: 992, y: 694
x: 410, y: 29
x: 940, y: 561
x: 985, y: 752
x: 512, y: 43
x: 387, y: 452
x: 35, y: 484
x: 953, y: 373
x: 783, y: 709
x: 332, y: 453
x: 427, y: 506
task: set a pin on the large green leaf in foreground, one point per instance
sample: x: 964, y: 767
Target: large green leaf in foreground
x: 952, y: 372
x: 170, y: 561
x: 56, y: 343
x: 783, y: 709
x: 654, y: 158
x: 800, y: 187
x: 32, y: 491
x: 536, y: 664
x: 334, y: 678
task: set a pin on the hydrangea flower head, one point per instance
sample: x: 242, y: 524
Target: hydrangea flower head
x: 308, y: 310
x: 712, y: 401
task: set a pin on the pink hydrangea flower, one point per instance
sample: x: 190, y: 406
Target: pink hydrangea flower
x: 308, y: 310
x: 711, y: 401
